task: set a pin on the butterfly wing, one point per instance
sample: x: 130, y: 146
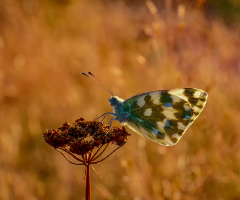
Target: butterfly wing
x: 164, y: 115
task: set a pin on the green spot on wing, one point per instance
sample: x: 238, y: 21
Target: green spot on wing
x: 193, y: 101
x: 126, y: 108
x: 180, y: 132
x: 134, y: 106
x: 166, y: 99
x: 160, y: 135
x: 171, y: 127
x: 187, y: 114
x: 148, y: 101
x: 130, y: 104
x: 175, y: 140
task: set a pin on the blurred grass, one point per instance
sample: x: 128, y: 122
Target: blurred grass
x: 44, y: 47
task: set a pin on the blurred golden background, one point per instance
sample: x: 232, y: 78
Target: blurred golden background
x: 132, y: 47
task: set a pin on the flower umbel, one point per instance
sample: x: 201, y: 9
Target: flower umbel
x: 85, y: 140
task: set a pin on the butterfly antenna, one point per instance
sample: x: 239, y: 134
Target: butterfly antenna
x: 97, y: 81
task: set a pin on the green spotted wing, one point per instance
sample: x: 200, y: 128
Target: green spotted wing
x: 164, y: 115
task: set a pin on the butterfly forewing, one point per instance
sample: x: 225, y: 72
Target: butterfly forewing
x: 197, y: 98
x: 163, y: 116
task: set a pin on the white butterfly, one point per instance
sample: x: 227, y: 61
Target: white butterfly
x: 162, y: 116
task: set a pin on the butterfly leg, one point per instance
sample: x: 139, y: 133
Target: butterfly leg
x: 110, y: 122
x: 104, y: 116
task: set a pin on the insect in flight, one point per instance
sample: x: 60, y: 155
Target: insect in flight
x: 162, y: 116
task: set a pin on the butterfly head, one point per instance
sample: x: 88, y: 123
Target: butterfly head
x: 115, y: 101
x: 117, y: 104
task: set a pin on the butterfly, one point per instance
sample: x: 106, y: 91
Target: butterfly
x: 162, y: 116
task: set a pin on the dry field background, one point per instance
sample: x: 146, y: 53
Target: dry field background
x: 44, y: 48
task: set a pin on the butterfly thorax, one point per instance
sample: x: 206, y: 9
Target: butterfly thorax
x: 117, y: 104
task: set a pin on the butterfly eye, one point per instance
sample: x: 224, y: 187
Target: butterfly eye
x: 113, y: 101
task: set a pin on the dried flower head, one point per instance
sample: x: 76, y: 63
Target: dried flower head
x: 86, y: 139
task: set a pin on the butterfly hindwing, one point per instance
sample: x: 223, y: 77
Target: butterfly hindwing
x: 163, y: 116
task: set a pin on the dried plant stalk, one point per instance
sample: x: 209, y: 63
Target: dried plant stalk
x: 86, y: 142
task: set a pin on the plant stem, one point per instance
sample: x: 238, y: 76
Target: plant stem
x: 88, y: 183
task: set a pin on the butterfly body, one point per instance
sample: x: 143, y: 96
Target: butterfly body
x: 162, y: 116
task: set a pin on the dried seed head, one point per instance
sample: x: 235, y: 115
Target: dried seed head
x: 84, y: 136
